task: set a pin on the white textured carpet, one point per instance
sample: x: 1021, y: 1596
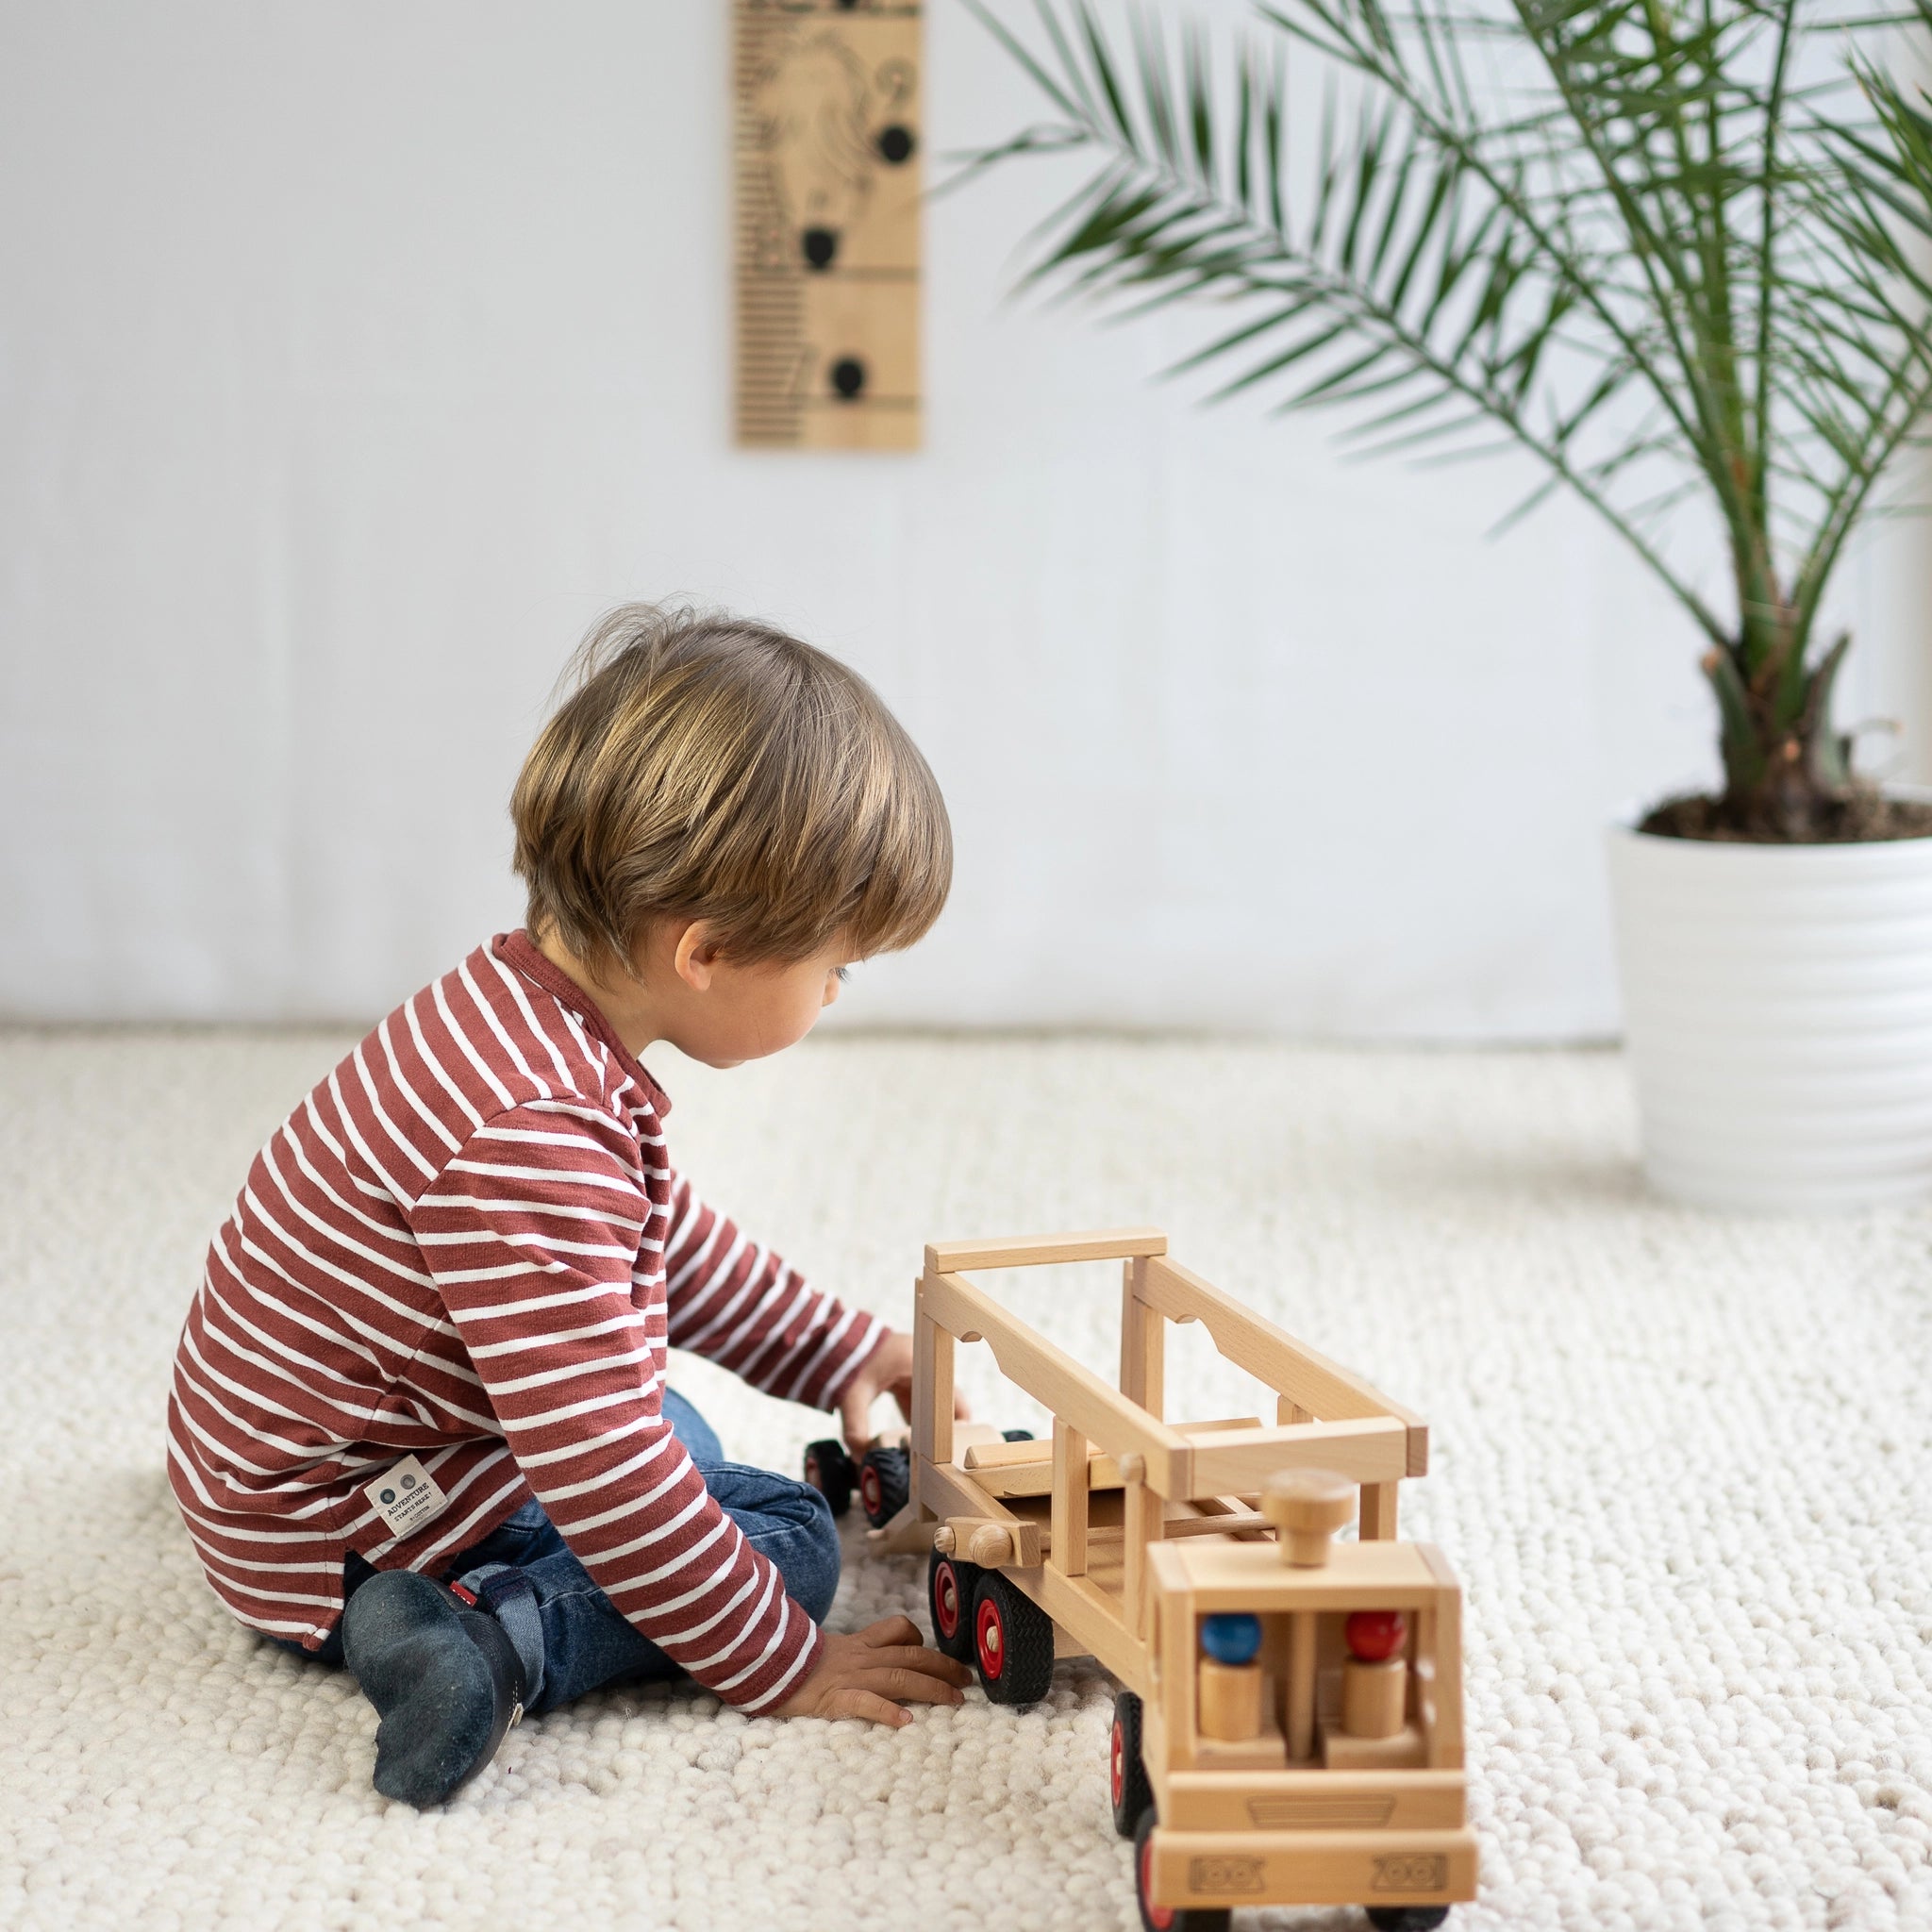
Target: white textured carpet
x: 1681, y: 1464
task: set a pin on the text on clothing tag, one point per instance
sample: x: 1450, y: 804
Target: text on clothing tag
x: 406, y: 1496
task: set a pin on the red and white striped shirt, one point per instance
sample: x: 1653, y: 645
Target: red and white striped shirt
x: 468, y: 1244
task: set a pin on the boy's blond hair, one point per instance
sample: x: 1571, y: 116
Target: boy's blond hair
x: 708, y: 767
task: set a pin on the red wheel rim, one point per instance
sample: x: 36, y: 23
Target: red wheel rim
x: 989, y: 1634
x: 869, y: 1490
x: 945, y: 1601
x: 1119, y: 1765
x: 1159, y: 1917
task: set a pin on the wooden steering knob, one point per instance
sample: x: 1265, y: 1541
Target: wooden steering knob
x: 1308, y: 1506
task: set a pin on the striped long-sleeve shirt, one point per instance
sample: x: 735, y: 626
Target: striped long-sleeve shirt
x: 467, y: 1246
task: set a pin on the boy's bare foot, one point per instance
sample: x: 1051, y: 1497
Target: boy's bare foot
x: 874, y: 1674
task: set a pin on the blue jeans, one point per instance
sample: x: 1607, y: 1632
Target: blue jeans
x: 587, y: 1641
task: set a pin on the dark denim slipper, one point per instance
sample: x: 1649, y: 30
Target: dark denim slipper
x: 443, y: 1678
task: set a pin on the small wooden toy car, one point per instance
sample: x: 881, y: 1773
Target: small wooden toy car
x: 883, y: 1474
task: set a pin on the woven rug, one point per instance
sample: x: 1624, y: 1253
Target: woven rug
x: 1681, y: 1463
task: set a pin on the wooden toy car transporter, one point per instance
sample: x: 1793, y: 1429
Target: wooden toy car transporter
x: 1291, y: 1725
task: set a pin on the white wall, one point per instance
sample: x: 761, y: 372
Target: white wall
x: 353, y: 357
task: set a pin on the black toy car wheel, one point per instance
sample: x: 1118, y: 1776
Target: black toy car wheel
x: 1012, y: 1642
x: 1406, y: 1918
x: 1167, y: 1918
x: 829, y: 1471
x: 1126, y: 1774
x: 885, y: 1484
x: 950, y: 1584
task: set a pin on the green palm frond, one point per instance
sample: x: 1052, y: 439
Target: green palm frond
x: 1674, y: 249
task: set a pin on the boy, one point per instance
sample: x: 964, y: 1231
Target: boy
x: 419, y: 1420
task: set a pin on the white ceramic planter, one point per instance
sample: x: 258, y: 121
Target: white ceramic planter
x: 1777, y: 1007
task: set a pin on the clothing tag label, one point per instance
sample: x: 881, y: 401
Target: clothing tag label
x: 406, y: 1497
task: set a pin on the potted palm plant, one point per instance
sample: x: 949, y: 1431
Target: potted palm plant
x: 1678, y: 251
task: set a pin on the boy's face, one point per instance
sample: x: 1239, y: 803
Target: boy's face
x: 724, y: 1012
x: 720, y: 1010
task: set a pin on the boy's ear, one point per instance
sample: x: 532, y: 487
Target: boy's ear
x: 696, y: 954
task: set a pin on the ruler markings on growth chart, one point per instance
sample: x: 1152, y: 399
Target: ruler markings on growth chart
x: 827, y: 158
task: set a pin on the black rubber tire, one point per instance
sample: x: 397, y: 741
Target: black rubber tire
x: 830, y: 1471
x: 1126, y: 1772
x: 1406, y: 1918
x: 884, y: 1484
x: 1017, y: 1435
x: 1012, y: 1642
x: 957, y: 1642
x: 1178, y: 1918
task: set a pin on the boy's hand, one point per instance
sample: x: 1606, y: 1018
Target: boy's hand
x: 868, y: 1674
x: 887, y: 1371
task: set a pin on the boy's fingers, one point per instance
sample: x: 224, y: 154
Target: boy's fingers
x: 910, y: 1687
x: 853, y: 1702
x: 891, y: 1631
x: 932, y: 1662
x: 926, y: 1664
x: 854, y: 1419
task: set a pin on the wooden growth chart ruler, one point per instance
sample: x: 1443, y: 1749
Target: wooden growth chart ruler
x: 827, y: 134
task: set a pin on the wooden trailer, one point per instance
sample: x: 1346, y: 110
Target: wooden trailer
x: 1290, y: 1724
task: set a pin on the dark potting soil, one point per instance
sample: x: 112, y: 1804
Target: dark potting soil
x: 1862, y: 816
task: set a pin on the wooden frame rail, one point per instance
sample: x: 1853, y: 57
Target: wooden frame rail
x: 1331, y: 1418
x: 962, y: 1312
x: 1302, y: 1379
x: 1044, y: 1250
x: 1238, y: 1461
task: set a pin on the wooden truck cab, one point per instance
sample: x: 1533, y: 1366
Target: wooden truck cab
x: 1366, y: 1806
x: 1290, y: 1726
